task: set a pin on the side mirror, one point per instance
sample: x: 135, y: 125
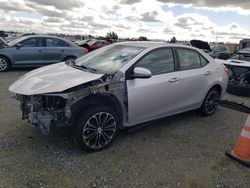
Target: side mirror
x: 18, y: 45
x: 140, y: 72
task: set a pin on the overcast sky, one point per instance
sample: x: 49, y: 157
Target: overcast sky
x: 209, y: 20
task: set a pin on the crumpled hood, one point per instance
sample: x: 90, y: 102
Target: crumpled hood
x: 52, y: 78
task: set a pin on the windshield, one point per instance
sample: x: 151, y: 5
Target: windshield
x: 109, y: 59
x: 16, y: 41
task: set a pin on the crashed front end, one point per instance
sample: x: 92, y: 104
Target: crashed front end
x: 44, y: 110
x: 47, y: 94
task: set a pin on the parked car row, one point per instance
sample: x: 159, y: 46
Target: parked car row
x: 214, y: 50
x: 93, y: 44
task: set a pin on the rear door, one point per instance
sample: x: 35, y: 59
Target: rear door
x: 196, y: 73
x: 156, y: 96
x: 55, y: 50
x: 30, y: 52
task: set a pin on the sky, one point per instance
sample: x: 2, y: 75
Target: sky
x: 208, y: 20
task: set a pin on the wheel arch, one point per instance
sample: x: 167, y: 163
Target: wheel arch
x: 93, y: 100
x: 217, y: 86
x: 8, y: 58
x: 68, y: 57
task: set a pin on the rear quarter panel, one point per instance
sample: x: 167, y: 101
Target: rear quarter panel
x: 76, y: 52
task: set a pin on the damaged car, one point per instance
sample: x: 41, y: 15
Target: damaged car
x: 239, y: 73
x: 119, y: 86
x: 217, y: 51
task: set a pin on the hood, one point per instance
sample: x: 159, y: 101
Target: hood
x: 201, y: 45
x: 50, y: 79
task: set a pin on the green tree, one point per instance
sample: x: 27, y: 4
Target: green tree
x: 173, y: 40
x: 111, y: 35
x: 141, y: 38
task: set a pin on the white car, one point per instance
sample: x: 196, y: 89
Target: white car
x: 239, y: 72
x: 119, y: 86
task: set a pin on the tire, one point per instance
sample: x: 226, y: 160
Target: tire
x: 93, y: 135
x: 210, y: 103
x: 4, y: 64
x: 69, y: 58
x: 238, y: 89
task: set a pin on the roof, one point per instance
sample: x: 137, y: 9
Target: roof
x: 146, y: 44
x: 150, y: 44
x: 31, y: 36
x: 245, y: 40
x: 49, y: 36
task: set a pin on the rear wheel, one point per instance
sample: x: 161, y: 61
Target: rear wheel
x: 95, y: 128
x: 4, y: 64
x: 210, y: 103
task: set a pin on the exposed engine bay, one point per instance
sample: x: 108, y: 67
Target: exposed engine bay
x: 45, y: 110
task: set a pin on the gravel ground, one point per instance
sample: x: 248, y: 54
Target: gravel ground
x: 238, y: 99
x: 185, y: 150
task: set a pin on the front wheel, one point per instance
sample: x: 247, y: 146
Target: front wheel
x: 4, y: 64
x: 95, y: 128
x: 210, y: 103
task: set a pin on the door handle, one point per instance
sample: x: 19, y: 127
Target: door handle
x: 208, y: 73
x: 173, y: 80
x: 62, y: 51
x: 40, y: 51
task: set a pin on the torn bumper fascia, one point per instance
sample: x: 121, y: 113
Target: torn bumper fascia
x: 33, y: 110
x: 43, y: 120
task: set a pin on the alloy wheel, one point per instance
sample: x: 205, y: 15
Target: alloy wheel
x: 99, y: 130
x: 212, y: 102
x: 3, y: 64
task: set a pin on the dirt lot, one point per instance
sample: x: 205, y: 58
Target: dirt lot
x: 186, y: 150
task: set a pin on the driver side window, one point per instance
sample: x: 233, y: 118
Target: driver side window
x: 29, y: 42
x: 158, y: 62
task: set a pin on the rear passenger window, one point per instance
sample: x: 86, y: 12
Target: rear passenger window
x: 158, y: 62
x: 189, y: 59
x: 204, y: 61
x: 50, y: 42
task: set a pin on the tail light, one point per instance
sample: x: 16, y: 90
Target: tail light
x: 226, y: 71
x: 85, y: 50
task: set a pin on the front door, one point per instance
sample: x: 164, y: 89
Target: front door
x: 156, y: 96
x: 30, y: 52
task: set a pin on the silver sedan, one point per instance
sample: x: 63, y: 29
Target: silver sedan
x: 37, y: 50
x: 119, y: 86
